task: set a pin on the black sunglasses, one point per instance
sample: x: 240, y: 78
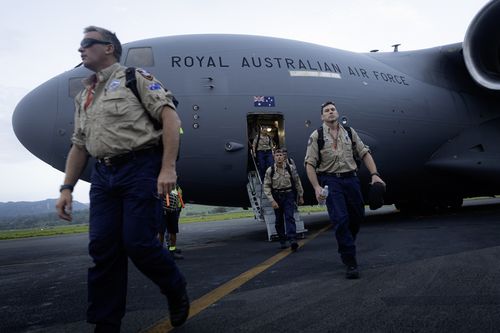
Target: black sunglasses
x: 88, y: 42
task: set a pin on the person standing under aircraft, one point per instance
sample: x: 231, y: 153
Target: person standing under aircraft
x: 336, y: 167
x: 135, y: 167
x: 262, y: 148
x: 282, y: 186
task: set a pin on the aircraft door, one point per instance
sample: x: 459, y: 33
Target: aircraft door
x: 272, y: 125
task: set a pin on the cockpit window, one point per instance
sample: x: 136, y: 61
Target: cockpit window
x: 140, y: 57
x: 75, y: 86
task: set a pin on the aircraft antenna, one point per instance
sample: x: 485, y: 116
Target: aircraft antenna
x: 395, y: 46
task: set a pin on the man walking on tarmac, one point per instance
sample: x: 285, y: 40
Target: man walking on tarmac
x: 282, y: 187
x: 134, y: 169
x: 330, y: 160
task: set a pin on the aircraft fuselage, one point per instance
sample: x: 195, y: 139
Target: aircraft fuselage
x: 405, y: 105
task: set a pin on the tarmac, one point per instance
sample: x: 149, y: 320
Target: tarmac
x: 433, y: 273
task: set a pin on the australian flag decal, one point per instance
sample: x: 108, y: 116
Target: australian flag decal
x: 263, y: 101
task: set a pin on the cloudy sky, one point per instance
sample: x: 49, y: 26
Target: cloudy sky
x: 39, y: 39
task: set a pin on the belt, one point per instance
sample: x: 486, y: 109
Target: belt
x: 339, y: 174
x: 124, y: 158
x: 283, y: 190
x: 265, y: 150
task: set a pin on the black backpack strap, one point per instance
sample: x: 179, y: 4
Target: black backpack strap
x: 321, y: 138
x: 292, y: 181
x: 349, y: 132
x: 321, y: 144
x: 353, y: 144
x: 272, y: 175
x: 257, y: 142
x: 131, y: 82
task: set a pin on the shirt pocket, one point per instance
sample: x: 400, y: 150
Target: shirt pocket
x: 347, y: 147
x: 115, y: 104
x: 328, y: 155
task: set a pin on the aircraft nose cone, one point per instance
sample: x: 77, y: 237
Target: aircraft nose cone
x: 34, y: 118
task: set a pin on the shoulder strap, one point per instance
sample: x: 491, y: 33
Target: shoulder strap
x: 349, y: 132
x: 353, y: 144
x: 321, y: 138
x: 292, y: 181
x: 321, y: 144
x: 131, y: 82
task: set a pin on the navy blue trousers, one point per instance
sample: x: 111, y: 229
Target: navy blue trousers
x: 125, y: 215
x: 284, y: 215
x: 346, y: 211
x: 264, y: 160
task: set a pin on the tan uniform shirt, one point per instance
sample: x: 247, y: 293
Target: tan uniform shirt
x: 339, y: 159
x: 265, y: 142
x: 281, y: 180
x: 116, y: 122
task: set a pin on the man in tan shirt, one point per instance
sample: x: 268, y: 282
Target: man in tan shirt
x: 134, y: 169
x: 335, y: 165
x: 282, y: 187
x: 262, y: 149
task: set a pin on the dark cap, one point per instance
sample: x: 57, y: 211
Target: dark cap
x: 376, y: 195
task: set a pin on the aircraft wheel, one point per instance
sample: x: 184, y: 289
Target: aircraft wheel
x: 450, y: 203
x: 420, y: 207
x: 456, y: 203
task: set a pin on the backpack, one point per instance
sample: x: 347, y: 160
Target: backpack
x: 321, y: 144
x: 289, y: 169
x: 131, y: 83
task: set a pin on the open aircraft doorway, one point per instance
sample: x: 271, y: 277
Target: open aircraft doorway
x: 273, y: 123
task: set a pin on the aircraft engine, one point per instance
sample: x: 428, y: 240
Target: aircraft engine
x: 481, y: 46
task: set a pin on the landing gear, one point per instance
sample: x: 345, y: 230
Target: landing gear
x: 429, y: 205
x: 453, y: 203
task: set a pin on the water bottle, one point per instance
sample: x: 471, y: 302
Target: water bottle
x: 324, y: 192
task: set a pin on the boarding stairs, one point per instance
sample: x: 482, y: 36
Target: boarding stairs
x: 263, y: 209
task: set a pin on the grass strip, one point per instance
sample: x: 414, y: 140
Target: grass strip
x: 67, y: 228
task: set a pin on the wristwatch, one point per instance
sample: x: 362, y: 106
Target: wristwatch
x: 66, y: 187
x: 375, y: 174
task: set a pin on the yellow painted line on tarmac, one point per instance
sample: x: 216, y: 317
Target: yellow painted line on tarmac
x: 206, y: 300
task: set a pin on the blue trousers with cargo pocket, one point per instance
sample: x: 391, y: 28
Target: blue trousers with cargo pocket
x: 346, y: 211
x: 284, y: 215
x: 125, y: 215
x: 264, y: 160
